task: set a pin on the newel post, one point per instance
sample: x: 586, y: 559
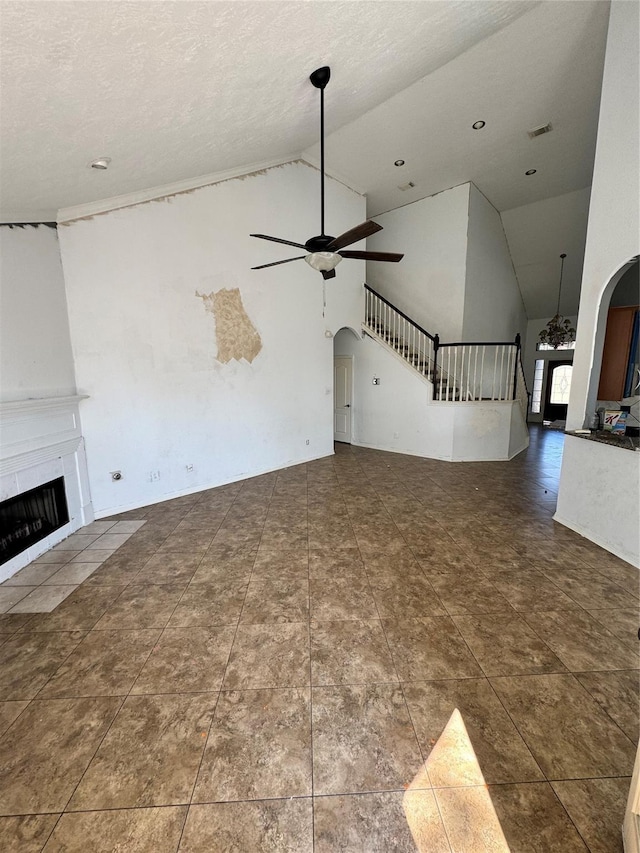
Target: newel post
x: 436, y: 347
x: 515, y: 364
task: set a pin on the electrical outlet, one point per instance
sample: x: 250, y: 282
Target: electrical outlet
x: 396, y: 435
x: 153, y: 476
x: 189, y: 468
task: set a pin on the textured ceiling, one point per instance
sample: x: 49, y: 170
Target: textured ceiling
x: 173, y: 90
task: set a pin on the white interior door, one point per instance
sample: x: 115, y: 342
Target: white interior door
x: 342, y: 385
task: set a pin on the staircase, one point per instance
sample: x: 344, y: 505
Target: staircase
x: 459, y: 372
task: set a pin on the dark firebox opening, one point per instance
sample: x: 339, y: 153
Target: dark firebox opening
x: 29, y: 517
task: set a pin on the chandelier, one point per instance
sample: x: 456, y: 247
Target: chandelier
x: 559, y: 330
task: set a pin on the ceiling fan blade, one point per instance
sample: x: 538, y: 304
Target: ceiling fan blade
x: 275, y: 263
x: 373, y: 256
x: 365, y: 229
x: 328, y: 274
x: 278, y: 240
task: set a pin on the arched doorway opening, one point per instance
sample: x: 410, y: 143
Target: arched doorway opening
x: 618, y: 376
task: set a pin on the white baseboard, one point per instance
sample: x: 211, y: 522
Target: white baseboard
x: 203, y: 487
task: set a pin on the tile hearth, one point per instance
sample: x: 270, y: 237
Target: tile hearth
x: 47, y: 581
x: 267, y: 666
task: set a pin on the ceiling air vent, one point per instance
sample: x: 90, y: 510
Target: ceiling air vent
x: 538, y: 131
x: 408, y: 186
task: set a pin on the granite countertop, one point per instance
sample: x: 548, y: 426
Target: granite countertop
x: 626, y: 442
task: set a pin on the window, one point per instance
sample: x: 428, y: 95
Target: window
x: 568, y: 345
x: 536, y: 395
x: 561, y: 385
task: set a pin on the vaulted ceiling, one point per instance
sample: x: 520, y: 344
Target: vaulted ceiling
x: 172, y: 90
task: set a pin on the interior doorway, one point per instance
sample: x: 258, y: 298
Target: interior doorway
x: 342, y: 394
x: 558, y: 390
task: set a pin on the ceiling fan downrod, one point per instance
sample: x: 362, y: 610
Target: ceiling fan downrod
x: 324, y: 252
x: 319, y: 78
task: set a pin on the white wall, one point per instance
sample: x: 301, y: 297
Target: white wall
x: 599, y: 496
x: 613, y: 239
x: 35, y: 348
x: 428, y: 284
x: 538, y: 233
x: 145, y: 348
x: 493, y: 306
x: 394, y: 415
x: 613, y: 234
x: 399, y: 414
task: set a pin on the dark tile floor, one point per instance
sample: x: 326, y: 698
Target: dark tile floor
x: 267, y: 666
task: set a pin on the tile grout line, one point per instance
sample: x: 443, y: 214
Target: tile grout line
x: 108, y: 729
x: 222, y: 678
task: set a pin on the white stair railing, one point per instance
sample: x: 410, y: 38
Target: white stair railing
x: 399, y: 332
x: 478, y: 371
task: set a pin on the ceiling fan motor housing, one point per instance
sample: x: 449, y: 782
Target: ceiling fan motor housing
x: 320, y: 243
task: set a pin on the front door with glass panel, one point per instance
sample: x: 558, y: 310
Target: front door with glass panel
x: 558, y: 389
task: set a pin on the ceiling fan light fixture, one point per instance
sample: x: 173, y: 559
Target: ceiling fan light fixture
x: 323, y: 261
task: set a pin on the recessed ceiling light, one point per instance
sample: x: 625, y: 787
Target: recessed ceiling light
x: 101, y: 163
x: 478, y: 125
x: 399, y: 163
x: 531, y: 171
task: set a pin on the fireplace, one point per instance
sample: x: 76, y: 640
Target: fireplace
x: 41, y: 453
x: 31, y: 516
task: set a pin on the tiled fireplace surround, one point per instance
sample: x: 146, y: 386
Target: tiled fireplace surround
x: 40, y: 440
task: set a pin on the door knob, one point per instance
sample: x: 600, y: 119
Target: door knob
x: 347, y: 405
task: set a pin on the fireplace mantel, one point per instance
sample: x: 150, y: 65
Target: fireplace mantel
x: 41, y: 439
x: 32, y: 404
x: 38, y: 429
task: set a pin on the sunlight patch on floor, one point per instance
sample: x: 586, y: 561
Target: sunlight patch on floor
x: 447, y: 805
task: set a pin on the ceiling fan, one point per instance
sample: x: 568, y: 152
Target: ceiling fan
x: 324, y: 252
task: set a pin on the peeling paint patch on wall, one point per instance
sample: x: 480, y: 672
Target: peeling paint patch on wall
x: 237, y: 336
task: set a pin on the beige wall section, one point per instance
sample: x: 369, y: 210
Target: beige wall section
x: 236, y: 335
